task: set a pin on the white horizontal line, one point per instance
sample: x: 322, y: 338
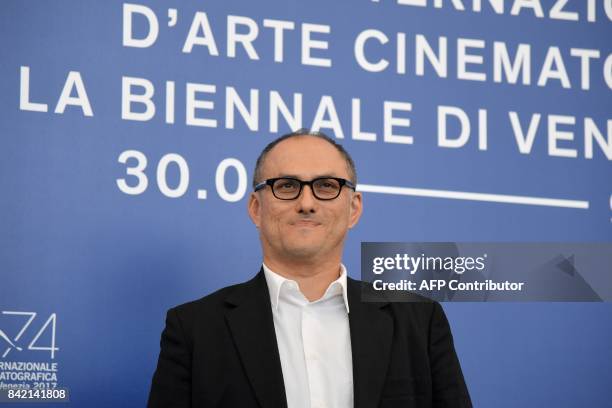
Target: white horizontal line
x: 463, y: 195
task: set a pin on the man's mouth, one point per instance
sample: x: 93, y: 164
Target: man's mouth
x: 305, y: 223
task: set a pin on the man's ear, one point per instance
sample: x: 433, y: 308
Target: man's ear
x: 254, y: 208
x: 355, y: 209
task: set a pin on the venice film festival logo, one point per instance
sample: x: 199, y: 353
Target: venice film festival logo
x: 27, y: 339
x: 25, y: 326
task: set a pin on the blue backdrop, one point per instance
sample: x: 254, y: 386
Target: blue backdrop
x: 95, y: 246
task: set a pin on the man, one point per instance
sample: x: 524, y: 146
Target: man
x: 297, y: 334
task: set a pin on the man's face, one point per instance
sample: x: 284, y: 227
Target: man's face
x: 305, y: 228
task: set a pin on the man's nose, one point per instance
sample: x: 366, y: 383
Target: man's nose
x: 306, y: 202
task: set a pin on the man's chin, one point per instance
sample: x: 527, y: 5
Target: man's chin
x: 302, y: 252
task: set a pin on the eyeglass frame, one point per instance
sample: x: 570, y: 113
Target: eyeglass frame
x: 270, y: 182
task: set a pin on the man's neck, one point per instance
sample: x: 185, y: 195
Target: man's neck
x: 312, y: 278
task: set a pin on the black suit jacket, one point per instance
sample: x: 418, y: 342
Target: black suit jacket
x: 221, y: 351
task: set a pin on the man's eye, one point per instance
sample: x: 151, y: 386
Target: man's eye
x: 326, y: 185
x: 287, y: 186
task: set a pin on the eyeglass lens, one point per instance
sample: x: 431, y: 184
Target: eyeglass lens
x: 325, y: 188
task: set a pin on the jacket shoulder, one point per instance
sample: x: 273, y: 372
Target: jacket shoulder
x: 404, y: 305
x: 213, y: 302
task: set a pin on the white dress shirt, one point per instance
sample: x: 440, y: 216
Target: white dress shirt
x: 314, y: 343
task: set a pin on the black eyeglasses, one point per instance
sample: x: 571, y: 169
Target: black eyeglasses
x: 323, y: 188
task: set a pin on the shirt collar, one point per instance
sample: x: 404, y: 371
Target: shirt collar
x: 276, y: 281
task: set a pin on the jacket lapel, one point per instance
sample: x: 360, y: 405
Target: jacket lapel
x: 251, y: 324
x: 371, y: 328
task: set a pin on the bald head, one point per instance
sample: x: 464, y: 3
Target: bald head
x: 303, y: 133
